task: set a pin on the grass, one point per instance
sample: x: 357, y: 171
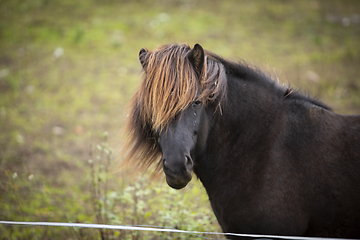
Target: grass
x: 68, y: 69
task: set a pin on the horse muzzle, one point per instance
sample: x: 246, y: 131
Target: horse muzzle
x: 178, y: 175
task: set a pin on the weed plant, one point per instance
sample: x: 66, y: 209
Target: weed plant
x: 134, y: 202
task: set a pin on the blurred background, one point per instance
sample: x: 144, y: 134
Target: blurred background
x: 68, y: 69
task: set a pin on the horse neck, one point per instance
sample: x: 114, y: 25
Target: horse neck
x: 251, y: 109
x: 241, y: 128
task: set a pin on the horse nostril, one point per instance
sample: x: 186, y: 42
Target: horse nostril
x: 167, y: 167
x: 188, y: 163
x: 165, y: 164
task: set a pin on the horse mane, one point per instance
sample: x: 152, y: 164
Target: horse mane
x: 169, y: 85
x: 246, y: 71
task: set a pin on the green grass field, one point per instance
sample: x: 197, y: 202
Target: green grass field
x: 68, y: 69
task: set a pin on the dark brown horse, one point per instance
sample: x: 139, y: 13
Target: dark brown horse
x: 272, y: 160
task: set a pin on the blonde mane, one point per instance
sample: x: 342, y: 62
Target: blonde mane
x: 170, y: 84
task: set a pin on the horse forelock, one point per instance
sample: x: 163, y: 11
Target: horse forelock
x: 170, y: 84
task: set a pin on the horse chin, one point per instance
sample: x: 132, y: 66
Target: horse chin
x: 178, y: 183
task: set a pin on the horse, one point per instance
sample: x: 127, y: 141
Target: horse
x: 272, y: 160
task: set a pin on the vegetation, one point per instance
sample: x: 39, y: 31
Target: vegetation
x: 68, y: 68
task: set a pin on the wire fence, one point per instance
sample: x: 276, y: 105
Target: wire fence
x: 156, y: 229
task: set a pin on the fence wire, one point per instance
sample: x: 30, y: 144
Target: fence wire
x: 155, y: 229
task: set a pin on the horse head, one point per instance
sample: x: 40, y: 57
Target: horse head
x: 179, y: 138
x: 169, y: 120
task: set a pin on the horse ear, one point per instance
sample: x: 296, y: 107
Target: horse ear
x: 142, y: 57
x: 197, y: 58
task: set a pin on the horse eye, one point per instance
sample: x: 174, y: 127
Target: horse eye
x: 198, y: 102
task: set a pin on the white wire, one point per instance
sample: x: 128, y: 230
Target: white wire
x: 155, y: 229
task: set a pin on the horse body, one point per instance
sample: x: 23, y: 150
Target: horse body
x: 285, y: 167
x: 272, y: 161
